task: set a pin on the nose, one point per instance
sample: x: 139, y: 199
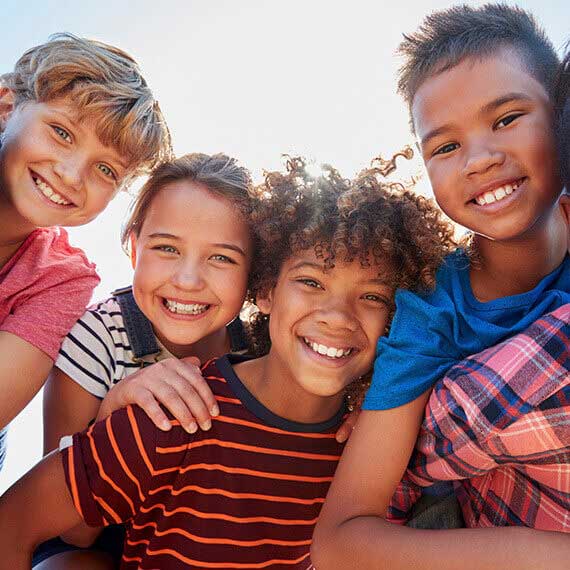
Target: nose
x: 188, y: 274
x: 337, y: 313
x: 71, y: 171
x: 482, y: 156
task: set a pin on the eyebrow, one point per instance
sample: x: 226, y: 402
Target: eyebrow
x: 320, y: 267
x: 231, y: 246
x: 487, y: 108
x: 76, y: 124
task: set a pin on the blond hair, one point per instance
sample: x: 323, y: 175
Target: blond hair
x: 106, y: 84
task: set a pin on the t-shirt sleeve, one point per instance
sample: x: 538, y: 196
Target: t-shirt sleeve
x: 88, y: 354
x: 109, y: 467
x: 58, y: 283
x: 419, y: 350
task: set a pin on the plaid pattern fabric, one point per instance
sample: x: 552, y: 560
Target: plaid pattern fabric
x: 499, y: 425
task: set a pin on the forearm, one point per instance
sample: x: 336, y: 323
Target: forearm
x: 35, y: 508
x: 373, y: 543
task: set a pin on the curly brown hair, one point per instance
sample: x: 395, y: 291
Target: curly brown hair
x: 366, y: 219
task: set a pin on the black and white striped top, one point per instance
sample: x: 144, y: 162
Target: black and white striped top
x: 96, y: 353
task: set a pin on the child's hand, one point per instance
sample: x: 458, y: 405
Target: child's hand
x: 176, y: 384
x: 347, y: 426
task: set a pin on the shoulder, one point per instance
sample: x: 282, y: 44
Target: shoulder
x: 513, y: 378
x: 48, y: 260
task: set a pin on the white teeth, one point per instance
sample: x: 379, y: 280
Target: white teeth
x: 183, y: 309
x: 329, y: 351
x: 48, y: 192
x: 496, y: 195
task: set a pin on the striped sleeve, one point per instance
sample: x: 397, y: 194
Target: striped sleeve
x: 88, y: 353
x: 109, y: 466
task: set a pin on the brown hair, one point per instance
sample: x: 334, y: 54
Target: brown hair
x: 367, y: 219
x: 105, y: 83
x: 219, y: 173
x: 447, y: 37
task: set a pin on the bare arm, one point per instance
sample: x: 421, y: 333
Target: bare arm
x: 352, y: 531
x: 23, y: 370
x: 35, y: 508
x: 68, y: 408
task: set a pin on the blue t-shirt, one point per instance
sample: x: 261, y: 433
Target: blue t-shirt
x: 432, y: 332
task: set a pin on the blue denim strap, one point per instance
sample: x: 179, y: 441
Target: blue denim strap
x: 137, y: 326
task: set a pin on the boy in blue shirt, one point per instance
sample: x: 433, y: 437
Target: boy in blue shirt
x: 478, y: 82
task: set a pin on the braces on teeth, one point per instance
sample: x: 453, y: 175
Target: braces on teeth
x: 183, y: 309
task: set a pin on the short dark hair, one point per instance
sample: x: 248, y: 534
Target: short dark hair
x: 446, y: 37
x: 562, y: 106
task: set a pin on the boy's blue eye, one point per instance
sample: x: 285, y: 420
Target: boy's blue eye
x: 107, y: 170
x: 507, y: 120
x: 62, y: 133
x: 446, y: 148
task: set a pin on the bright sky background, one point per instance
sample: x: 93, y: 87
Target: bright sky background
x: 252, y: 78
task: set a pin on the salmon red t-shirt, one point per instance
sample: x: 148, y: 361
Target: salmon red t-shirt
x: 44, y: 288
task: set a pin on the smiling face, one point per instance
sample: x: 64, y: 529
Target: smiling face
x: 324, y: 326
x: 486, y: 134
x: 54, y: 169
x: 192, y: 259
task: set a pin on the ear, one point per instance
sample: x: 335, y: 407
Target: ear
x: 265, y: 302
x: 133, y: 250
x: 6, y: 105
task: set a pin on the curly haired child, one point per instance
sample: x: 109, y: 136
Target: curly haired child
x: 247, y: 492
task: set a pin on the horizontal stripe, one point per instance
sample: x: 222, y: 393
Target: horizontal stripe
x: 239, y: 496
x: 250, y: 448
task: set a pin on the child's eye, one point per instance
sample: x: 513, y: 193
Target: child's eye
x: 165, y: 248
x: 107, y: 170
x: 503, y: 122
x: 62, y: 133
x: 223, y: 258
x: 310, y: 283
x: 446, y: 148
x: 374, y: 297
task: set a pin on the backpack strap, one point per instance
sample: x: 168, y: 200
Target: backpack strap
x: 239, y: 340
x: 138, y: 328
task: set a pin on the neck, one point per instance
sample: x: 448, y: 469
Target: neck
x: 271, y: 385
x: 507, y: 268
x: 14, y: 230
x: 213, y: 345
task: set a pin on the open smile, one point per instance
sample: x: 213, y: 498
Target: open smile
x: 47, y: 191
x: 185, y: 309
x: 332, y: 352
x: 497, y: 194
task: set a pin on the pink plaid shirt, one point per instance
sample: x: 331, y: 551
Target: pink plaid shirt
x: 499, y: 425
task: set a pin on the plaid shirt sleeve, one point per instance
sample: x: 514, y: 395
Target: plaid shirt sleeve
x: 499, y: 422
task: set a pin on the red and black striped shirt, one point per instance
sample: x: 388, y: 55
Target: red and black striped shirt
x: 245, y: 494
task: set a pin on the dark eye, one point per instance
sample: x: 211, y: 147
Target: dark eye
x: 166, y: 248
x: 310, y: 283
x: 376, y: 298
x: 62, y: 133
x: 223, y: 258
x: 507, y: 120
x: 446, y: 148
x: 107, y: 170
